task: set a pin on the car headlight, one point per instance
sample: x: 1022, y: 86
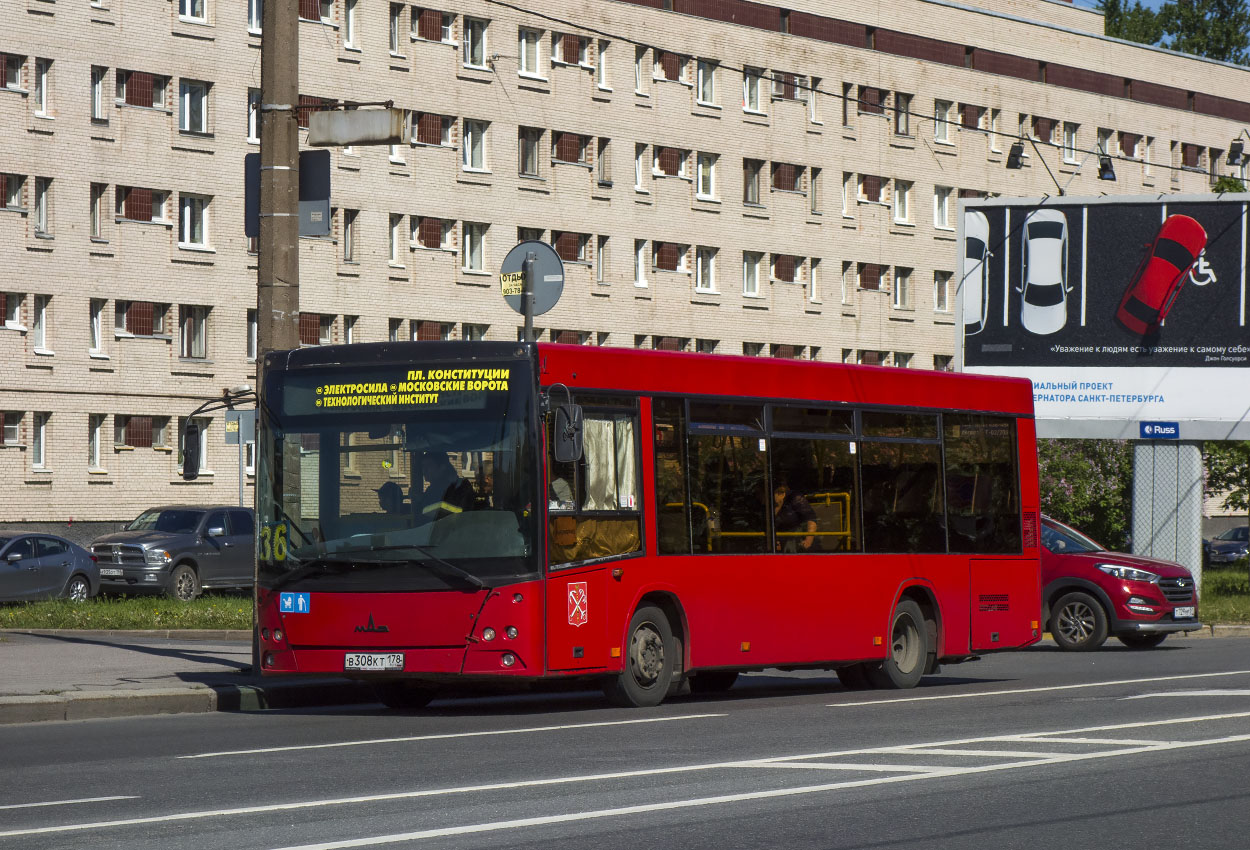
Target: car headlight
x: 156, y: 557
x: 1128, y: 573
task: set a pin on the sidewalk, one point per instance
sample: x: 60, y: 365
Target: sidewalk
x: 78, y: 675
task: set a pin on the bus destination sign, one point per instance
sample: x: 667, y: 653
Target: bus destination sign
x: 441, y: 388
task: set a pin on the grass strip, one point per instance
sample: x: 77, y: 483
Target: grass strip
x: 210, y: 611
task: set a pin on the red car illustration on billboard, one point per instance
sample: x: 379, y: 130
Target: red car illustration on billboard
x: 1161, y: 275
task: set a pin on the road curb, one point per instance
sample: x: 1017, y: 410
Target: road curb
x: 168, y: 634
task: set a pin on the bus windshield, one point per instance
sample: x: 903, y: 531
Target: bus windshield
x: 410, y: 480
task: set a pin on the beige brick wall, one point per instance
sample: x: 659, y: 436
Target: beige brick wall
x: 142, y: 147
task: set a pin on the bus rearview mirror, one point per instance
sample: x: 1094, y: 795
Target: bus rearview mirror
x: 191, y: 452
x: 568, y: 433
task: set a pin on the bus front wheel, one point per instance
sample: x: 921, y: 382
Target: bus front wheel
x: 909, y: 649
x: 648, y: 664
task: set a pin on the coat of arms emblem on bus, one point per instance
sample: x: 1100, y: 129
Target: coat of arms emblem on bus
x: 579, y: 608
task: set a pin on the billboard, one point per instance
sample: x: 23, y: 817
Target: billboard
x: 1124, y: 312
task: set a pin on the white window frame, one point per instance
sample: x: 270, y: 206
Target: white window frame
x: 601, y: 260
x: 98, y: 99
x: 640, y: 75
x: 529, y: 143
x: 12, y: 433
x: 351, y: 234
x: 941, y: 121
x: 705, y: 82
x: 751, y: 261
x: 95, y: 425
x: 97, y: 307
x: 751, y: 101
x: 475, y: 42
x: 640, y: 166
x: 473, y: 146
x: 1069, y: 142
x: 942, y: 196
x: 255, y: 16
x: 530, y: 52
x: 705, y: 269
x: 473, y: 255
x: 900, y: 297
x: 942, y: 292
x: 42, y: 218
x: 12, y: 318
x: 705, y: 182
x: 41, y: 98
x: 394, y: 32
x: 39, y: 324
x: 194, y: 11
x: 39, y: 441
x: 253, y: 116
x: 191, y: 112
x: 351, y: 30
x: 813, y: 280
x: 204, y: 424
x: 253, y: 331
x: 902, y: 114
x: 902, y: 201
x: 395, y: 239
x: 193, y: 332
x: 349, y: 329
x: 641, y: 262
x: 192, y: 216
x: 601, y: 65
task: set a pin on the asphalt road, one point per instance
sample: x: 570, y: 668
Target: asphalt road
x: 1024, y: 750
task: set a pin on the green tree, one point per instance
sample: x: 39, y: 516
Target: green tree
x: 1227, y: 466
x: 1216, y: 29
x: 1130, y: 21
x: 1228, y: 183
x: 1088, y: 484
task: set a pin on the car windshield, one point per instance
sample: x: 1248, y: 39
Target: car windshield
x: 1063, y: 540
x: 1174, y: 253
x: 1241, y: 534
x: 174, y: 521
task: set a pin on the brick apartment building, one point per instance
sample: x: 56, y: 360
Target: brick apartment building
x: 719, y: 176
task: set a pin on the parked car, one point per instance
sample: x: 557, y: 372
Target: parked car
x: 1089, y: 592
x: 1044, y: 283
x: 1228, y: 547
x: 975, y: 285
x: 42, y: 566
x: 179, y: 550
x: 1161, y: 274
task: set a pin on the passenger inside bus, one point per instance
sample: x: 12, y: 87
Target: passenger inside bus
x: 445, y: 492
x: 791, y: 516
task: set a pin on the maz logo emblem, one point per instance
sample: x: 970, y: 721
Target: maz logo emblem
x: 371, y: 627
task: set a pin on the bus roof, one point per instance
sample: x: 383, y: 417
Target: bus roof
x: 649, y: 371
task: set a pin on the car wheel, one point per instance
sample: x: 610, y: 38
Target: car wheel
x: 1141, y: 640
x: 649, y: 663
x: 403, y: 695
x: 77, y: 589
x: 1078, y: 623
x: 909, y: 650
x: 713, y: 681
x: 184, y: 584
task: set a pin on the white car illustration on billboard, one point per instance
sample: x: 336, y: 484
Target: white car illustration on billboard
x: 975, y: 285
x: 1044, y: 281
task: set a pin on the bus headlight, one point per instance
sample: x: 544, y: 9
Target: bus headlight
x: 507, y: 659
x: 511, y: 632
x: 488, y: 633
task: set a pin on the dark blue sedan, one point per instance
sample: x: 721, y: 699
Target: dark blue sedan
x: 43, y: 566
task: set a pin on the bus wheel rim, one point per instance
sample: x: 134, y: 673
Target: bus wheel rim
x: 647, y: 655
x: 905, y: 644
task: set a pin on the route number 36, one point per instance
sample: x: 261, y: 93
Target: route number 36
x: 273, y: 542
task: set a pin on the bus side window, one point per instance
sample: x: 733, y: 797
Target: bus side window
x: 594, y: 504
x: 672, y: 504
x: 982, y: 493
x: 814, y: 482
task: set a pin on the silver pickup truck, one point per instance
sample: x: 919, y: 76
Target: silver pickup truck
x: 179, y: 550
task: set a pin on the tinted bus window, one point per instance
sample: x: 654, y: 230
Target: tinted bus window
x: 718, y: 416
x: 902, y: 497
x: 728, y: 494
x: 982, y: 488
x: 813, y: 420
x: 814, y: 482
x: 672, y: 505
x: 915, y: 426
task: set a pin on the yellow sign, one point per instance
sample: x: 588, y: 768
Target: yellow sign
x: 420, y: 387
x: 512, y: 283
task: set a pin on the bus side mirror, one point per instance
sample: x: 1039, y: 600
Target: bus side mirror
x: 568, y: 433
x: 191, y: 452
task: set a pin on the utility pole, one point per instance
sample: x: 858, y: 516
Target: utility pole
x: 277, y: 283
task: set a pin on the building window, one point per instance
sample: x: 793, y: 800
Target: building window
x: 569, y: 147
x: 395, y: 19
x: 97, y: 326
x: 605, y: 161
x: 941, y: 292
x: 13, y: 70
x: 902, y: 114
x: 601, y: 260
x: 601, y: 66
x: 255, y: 15
x: 753, y: 349
x: 253, y: 116
x: 202, y: 425
x: 310, y: 325
x: 392, y: 330
x: 473, y: 332
x: 431, y: 25
x: 640, y: 77
x: 395, y: 238
x: 902, y: 289
x: 640, y: 160
x: 43, y: 202
x: 252, y: 333
x: 902, y: 201
x: 941, y: 120
x: 813, y: 192
x: 706, y: 186
x: 751, y: 89
x: 902, y: 359
x: 671, y: 162
x: 98, y: 191
x: 351, y: 233
x: 136, y: 88
x: 785, y: 267
x: 529, y: 41
x: 138, y: 318
x: 1069, y: 142
x: 10, y: 427
x: 474, y: 246
x: 669, y: 256
x: 39, y: 441
x: 193, y: 106
x: 95, y: 425
x: 97, y: 93
x: 705, y: 269
x: 787, y: 177
x: 870, y: 188
x: 941, y: 207
x: 351, y: 32
x: 194, y: 330
x: 751, y: 181
x: 39, y: 326
x: 193, y: 221
x: 705, y: 84
x: 475, y: 42
x: 870, y: 275
x: 432, y: 129
x: 42, y: 93
x: 751, y: 273
x: 11, y: 186
x: 474, y: 147
x: 640, y: 262
x: 571, y: 247
x: 192, y: 10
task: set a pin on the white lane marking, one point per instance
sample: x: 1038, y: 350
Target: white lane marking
x: 866, y: 767
x: 1041, y: 690
x: 657, y: 771
x: 1207, y: 693
x: 938, y: 751
x: 447, y: 735
x: 68, y: 802
x: 497, y: 826
x: 1119, y: 742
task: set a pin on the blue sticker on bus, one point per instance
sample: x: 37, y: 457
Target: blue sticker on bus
x: 294, y: 603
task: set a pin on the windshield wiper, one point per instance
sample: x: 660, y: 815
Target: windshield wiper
x: 424, y: 549
x: 323, y: 566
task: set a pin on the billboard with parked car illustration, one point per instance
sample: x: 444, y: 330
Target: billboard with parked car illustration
x: 1121, y: 310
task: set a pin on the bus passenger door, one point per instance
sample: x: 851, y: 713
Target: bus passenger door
x: 577, y: 620
x: 1005, y: 602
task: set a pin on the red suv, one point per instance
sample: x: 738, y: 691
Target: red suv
x: 1088, y: 593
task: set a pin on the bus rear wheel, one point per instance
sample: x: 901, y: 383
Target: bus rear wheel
x: 648, y: 663
x: 909, y: 649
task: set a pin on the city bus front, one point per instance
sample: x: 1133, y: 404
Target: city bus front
x: 398, y: 507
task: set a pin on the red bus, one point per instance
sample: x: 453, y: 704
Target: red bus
x: 436, y: 512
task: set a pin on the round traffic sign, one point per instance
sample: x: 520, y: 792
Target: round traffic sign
x: 548, y: 276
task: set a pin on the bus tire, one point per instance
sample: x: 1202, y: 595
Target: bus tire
x: 649, y: 661
x: 909, y: 649
x: 713, y: 681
